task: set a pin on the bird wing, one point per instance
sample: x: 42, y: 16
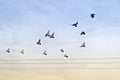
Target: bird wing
x: 39, y: 40
x: 76, y: 23
x: 52, y: 34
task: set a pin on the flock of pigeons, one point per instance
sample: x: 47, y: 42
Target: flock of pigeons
x: 52, y: 36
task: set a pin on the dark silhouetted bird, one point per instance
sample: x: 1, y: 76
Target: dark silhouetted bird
x: 22, y: 51
x: 75, y: 24
x: 83, y: 45
x: 44, y: 53
x: 47, y: 34
x: 82, y: 33
x: 66, y: 55
x: 8, y: 50
x: 61, y: 50
x: 39, y: 42
x: 92, y: 15
x: 52, y: 35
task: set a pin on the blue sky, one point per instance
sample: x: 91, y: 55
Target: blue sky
x: 23, y: 22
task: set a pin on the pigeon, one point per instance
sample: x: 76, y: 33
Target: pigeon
x: 92, y: 15
x: 83, y: 45
x: 82, y: 33
x: 22, y: 51
x: 66, y: 55
x: 61, y: 50
x: 39, y: 42
x: 44, y: 53
x: 75, y: 24
x: 8, y: 50
x: 47, y: 34
x: 52, y: 35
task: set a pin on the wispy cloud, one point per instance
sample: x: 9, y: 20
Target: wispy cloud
x: 23, y: 22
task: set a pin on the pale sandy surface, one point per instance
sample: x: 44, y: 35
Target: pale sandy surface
x: 59, y: 74
x: 60, y: 70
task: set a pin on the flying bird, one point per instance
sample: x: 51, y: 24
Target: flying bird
x: 83, y: 45
x: 66, y: 55
x: 92, y: 15
x: 52, y: 35
x: 47, y: 34
x: 82, y: 33
x: 39, y: 42
x: 61, y: 50
x: 22, y: 51
x: 8, y: 50
x: 44, y: 53
x: 75, y: 24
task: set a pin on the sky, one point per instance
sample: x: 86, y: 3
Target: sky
x: 23, y: 22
